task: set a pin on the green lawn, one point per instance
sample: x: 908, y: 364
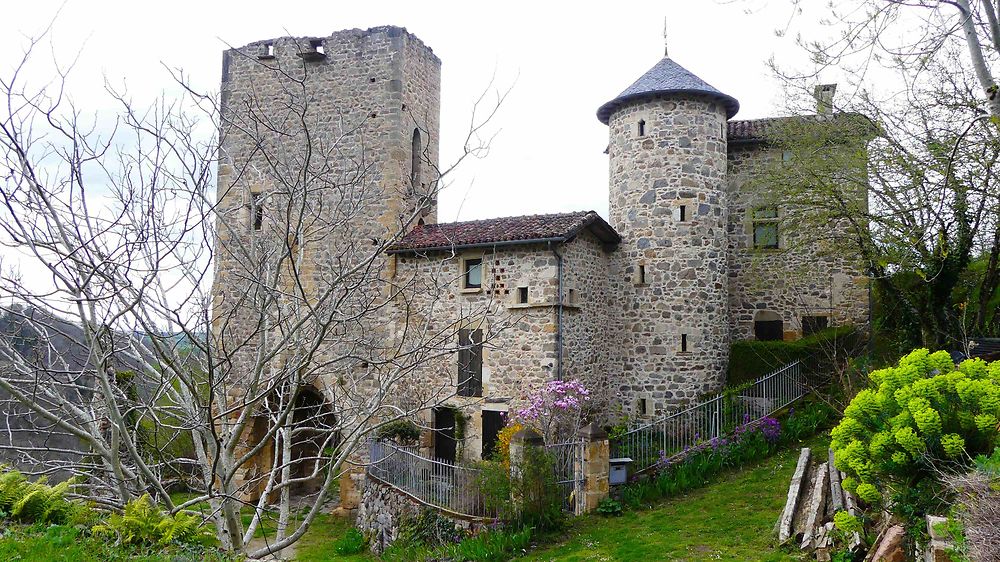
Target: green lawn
x: 729, y: 519
x: 317, y: 544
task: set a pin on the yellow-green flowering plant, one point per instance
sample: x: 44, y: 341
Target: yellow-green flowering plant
x: 918, y: 414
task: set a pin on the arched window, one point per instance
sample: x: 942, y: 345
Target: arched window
x: 767, y: 325
x: 415, y: 156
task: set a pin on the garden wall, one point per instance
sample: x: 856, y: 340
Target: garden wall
x: 382, y: 511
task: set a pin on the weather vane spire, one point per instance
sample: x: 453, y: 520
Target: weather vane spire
x: 665, y: 52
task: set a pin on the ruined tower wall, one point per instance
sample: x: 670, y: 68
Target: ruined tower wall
x: 319, y: 132
x: 672, y: 272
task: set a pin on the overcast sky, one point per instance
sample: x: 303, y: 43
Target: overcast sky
x: 562, y: 59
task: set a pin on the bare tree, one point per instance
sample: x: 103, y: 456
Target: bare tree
x: 921, y: 104
x: 114, y: 339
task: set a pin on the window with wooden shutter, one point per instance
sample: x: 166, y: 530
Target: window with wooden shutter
x: 470, y: 362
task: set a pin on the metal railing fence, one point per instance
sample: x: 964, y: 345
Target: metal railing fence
x: 567, y: 465
x: 434, y: 482
x: 661, y: 440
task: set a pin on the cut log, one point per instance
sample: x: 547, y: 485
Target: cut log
x: 836, y: 490
x: 794, y: 492
x: 815, y: 507
x: 889, y: 546
x: 852, y: 508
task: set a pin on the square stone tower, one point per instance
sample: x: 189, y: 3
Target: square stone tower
x: 328, y: 153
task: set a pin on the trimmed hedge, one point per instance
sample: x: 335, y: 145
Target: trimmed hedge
x: 751, y: 358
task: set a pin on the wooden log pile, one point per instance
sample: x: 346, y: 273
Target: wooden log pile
x: 815, y: 494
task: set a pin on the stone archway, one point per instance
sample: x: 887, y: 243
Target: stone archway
x: 313, y: 429
x: 768, y: 326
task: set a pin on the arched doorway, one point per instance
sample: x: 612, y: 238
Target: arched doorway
x: 313, y: 429
x: 767, y: 326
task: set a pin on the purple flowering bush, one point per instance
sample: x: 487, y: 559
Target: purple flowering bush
x: 556, y: 410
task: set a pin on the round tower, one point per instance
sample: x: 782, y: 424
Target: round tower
x: 667, y: 200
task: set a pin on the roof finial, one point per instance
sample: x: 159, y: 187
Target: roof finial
x: 665, y: 53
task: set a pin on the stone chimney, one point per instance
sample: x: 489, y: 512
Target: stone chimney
x: 824, y: 97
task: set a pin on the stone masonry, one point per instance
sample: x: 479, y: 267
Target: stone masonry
x: 643, y: 308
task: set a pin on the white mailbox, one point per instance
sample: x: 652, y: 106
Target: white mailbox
x: 618, y: 473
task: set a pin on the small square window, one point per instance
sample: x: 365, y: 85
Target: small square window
x: 765, y: 227
x: 522, y: 295
x: 472, y: 277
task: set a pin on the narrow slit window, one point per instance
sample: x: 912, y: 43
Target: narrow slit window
x: 572, y: 296
x: 642, y: 128
x: 415, y: 149
x: 683, y: 213
x: 684, y: 343
x: 269, y: 49
x: 642, y: 274
x: 257, y: 210
x: 642, y: 406
x: 522, y: 295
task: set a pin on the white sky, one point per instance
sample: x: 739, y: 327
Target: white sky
x: 567, y: 59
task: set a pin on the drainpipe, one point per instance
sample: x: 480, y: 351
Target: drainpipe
x: 559, y: 311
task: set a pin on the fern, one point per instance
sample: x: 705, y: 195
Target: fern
x: 143, y: 524
x: 35, y: 502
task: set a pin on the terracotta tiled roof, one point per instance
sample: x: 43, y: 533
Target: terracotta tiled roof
x: 756, y: 130
x: 666, y: 77
x: 558, y: 227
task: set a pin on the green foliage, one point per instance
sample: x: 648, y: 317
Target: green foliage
x: 404, y: 431
x: 490, y: 546
x: 353, y: 542
x: 609, y: 507
x: 918, y: 414
x: 36, y: 502
x: 751, y: 359
x: 43, y: 542
x: 955, y: 531
x: 530, y: 498
x: 847, y: 523
x: 143, y: 524
x: 429, y: 529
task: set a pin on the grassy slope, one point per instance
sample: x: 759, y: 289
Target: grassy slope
x: 730, y: 519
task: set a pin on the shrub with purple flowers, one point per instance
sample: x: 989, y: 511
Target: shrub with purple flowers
x: 556, y: 410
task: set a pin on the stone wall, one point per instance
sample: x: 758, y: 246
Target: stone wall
x: 809, y: 274
x: 520, y: 351
x: 319, y: 133
x: 680, y: 160
x: 382, y: 511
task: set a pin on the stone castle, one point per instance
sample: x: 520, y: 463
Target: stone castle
x: 642, y: 306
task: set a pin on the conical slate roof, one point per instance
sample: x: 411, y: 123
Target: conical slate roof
x: 667, y: 77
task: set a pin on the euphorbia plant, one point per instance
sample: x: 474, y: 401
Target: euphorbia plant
x: 921, y: 414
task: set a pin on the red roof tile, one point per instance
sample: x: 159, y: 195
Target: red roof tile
x: 756, y: 130
x: 558, y: 227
